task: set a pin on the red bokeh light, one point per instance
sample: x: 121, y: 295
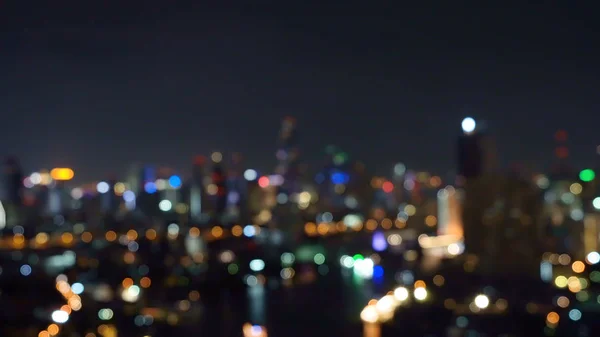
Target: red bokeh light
x: 387, y: 187
x: 263, y: 182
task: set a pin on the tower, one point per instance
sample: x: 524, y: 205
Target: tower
x: 476, y: 151
x: 219, y: 180
x: 197, y: 191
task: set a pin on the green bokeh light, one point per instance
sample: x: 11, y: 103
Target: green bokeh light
x: 587, y: 175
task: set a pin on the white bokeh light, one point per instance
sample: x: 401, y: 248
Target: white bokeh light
x: 468, y: 125
x: 165, y: 205
x: 596, y: 203
x: 250, y: 175
x: 102, y: 187
x: 60, y: 316
x: 482, y: 301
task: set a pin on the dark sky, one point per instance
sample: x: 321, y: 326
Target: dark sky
x: 98, y: 86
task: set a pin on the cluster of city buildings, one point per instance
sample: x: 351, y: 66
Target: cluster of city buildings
x: 506, y: 218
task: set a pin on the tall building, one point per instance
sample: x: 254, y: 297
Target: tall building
x: 476, y: 151
x: 219, y: 180
x: 501, y: 213
x: 197, y: 190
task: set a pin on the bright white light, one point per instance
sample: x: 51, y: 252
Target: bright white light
x: 593, y: 257
x: 401, y: 294
x: 596, y: 203
x: 386, y: 305
x: 364, y: 268
x: 77, y: 288
x: 131, y: 294
x: 165, y: 205
x: 249, y: 231
x: 468, y: 125
x: 2, y: 216
x: 60, y: 317
x: 420, y: 294
x: 250, y: 175
x: 482, y: 301
x: 102, y: 187
x: 369, y: 314
x: 454, y: 249
x: 257, y: 265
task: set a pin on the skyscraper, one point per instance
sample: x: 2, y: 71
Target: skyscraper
x: 197, y: 191
x: 219, y: 180
x: 476, y: 151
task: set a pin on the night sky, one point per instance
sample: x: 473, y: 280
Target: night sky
x: 96, y: 87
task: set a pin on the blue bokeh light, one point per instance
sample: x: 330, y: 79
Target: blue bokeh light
x: 150, y: 187
x: 340, y: 178
x: 175, y: 181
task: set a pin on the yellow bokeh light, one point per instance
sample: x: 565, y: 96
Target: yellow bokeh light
x: 420, y: 284
x: 237, y: 230
x: 86, y: 237
x: 430, y: 220
x: 110, y: 236
x: 194, y: 232
x: 217, y: 231
x: 127, y: 282
x: 561, y: 281
x: 151, y: 234
x: 578, y: 267
x: 132, y: 235
x: 552, y: 317
x: 62, y: 174
x: 145, y: 282
x: 66, y: 238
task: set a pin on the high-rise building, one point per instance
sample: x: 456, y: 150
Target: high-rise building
x: 501, y: 213
x: 197, y: 190
x: 219, y: 180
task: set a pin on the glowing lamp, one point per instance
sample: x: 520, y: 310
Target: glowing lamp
x: 62, y: 174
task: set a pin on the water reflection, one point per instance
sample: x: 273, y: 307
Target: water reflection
x: 256, y: 304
